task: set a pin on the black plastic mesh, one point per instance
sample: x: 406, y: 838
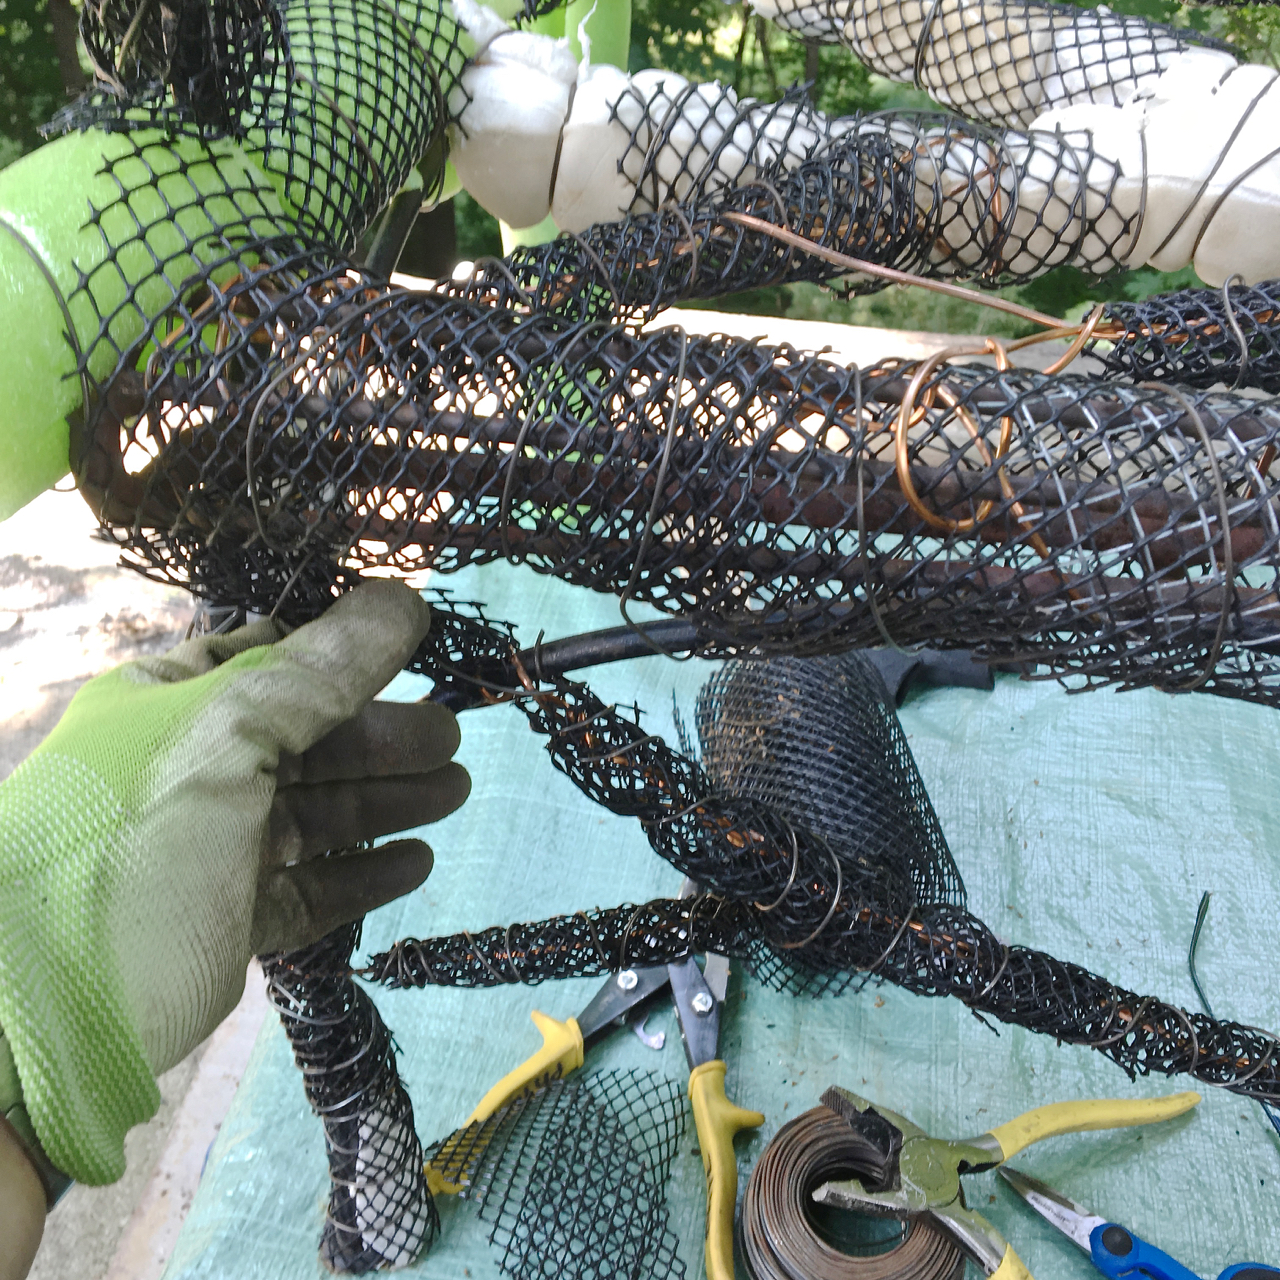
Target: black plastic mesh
x: 918, y: 191
x: 1196, y: 337
x: 1003, y: 60
x: 786, y: 897
x: 336, y: 100
x: 193, y: 63
x: 381, y: 1215
x: 573, y: 1178
x: 784, y: 503
x: 862, y: 794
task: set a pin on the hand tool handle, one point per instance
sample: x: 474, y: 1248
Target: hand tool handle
x: 1250, y: 1271
x: 561, y: 1053
x: 1098, y: 1113
x: 1116, y: 1252
x: 717, y: 1120
x: 1011, y: 1267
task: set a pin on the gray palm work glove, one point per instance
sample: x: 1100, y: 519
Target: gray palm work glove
x: 175, y: 822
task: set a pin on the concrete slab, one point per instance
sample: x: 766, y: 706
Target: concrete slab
x: 68, y: 612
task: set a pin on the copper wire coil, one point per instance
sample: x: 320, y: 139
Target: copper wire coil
x: 786, y: 1236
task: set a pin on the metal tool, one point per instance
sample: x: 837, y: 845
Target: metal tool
x: 1115, y: 1250
x: 698, y: 995
x: 923, y: 1174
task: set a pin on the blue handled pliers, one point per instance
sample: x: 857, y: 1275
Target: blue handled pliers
x: 1115, y: 1250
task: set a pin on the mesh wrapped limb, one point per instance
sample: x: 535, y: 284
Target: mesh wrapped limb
x: 335, y: 100
x: 784, y: 503
x: 197, y: 66
x: 1197, y: 337
x: 935, y: 951
x: 381, y: 1215
x: 920, y: 192
x: 1000, y: 60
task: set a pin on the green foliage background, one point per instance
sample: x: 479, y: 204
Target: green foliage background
x: 33, y: 84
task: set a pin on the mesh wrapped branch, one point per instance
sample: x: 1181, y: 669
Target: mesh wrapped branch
x: 381, y: 1215
x: 1000, y: 60
x: 822, y: 905
x: 573, y: 1177
x: 920, y: 192
x: 932, y: 951
x: 1197, y: 337
x: 587, y: 944
x: 784, y: 503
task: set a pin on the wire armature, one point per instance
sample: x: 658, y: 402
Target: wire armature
x: 801, y: 905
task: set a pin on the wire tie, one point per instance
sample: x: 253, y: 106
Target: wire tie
x: 826, y: 920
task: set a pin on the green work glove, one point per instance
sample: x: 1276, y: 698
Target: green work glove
x: 174, y: 823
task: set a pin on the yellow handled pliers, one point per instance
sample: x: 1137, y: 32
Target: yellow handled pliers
x: 698, y: 995
x: 922, y: 1174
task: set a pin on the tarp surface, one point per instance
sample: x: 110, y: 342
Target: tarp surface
x: 1084, y: 825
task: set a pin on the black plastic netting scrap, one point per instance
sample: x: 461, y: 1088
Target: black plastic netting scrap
x: 195, y: 64
x: 573, y: 1177
x: 994, y: 59
x: 799, y: 902
x: 380, y: 1213
x: 1197, y: 337
x: 784, y: 503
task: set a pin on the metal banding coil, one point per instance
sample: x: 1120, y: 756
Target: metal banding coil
x: 785, y: 1236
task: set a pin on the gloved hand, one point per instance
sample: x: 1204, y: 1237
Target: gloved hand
x: 174, y: 823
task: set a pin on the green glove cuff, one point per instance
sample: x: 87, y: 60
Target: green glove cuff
x: 14, y: 1113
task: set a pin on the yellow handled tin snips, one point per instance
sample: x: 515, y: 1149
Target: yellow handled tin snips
x: 698, y: 994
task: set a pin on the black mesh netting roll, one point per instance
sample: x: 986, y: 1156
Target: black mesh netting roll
x: 812, y: 906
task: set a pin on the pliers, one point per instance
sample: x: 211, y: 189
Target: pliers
x: 698, y: 995
x: 921, y: 1175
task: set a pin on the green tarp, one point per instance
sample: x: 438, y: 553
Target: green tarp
x: 1084, y: 825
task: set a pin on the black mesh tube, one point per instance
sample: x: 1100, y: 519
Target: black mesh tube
x: 783, y: 503
x: 1197, y: 337
x: 381, y: 1215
